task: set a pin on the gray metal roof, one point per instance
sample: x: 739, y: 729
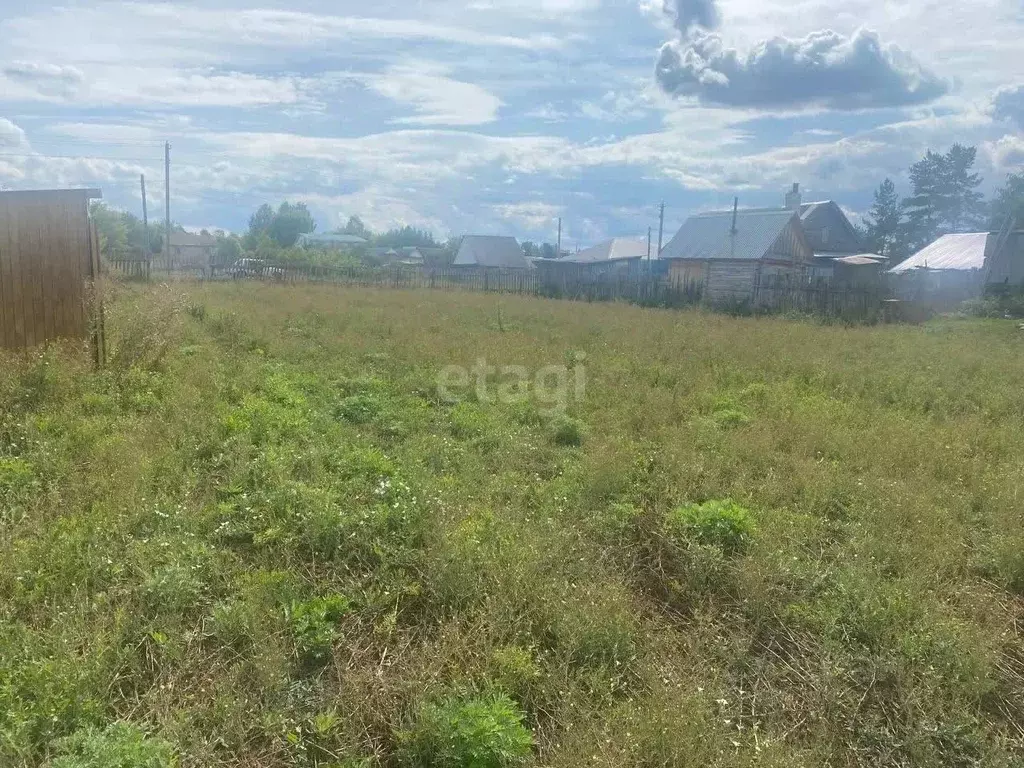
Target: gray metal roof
x: 490, y: 251
x: 612, y: 250
x: 961, y: 252
x: 709, y: 235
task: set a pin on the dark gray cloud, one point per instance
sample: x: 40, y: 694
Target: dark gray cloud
x: 693, y: 13
x: 825, y: 69
x: 1009, y: 105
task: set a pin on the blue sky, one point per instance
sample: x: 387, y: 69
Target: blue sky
x: 499, y: 116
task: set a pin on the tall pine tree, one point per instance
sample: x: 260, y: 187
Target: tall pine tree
x: 883, y: 226
x: 945, y: 196
x: 962, y: 202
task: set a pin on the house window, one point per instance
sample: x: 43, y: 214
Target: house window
x: 824, y: 235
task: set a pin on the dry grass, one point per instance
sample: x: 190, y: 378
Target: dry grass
x: 170, y: 529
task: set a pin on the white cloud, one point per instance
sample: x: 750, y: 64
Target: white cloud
x: 1005, y: 154
x: 532, y: 215
x: 535, y: 8
x: 377, y: 206
x: 129, y: 86
x: 148, y: 33
x: 11, y: 136
x: 437, y: 99
x: 43, y: 78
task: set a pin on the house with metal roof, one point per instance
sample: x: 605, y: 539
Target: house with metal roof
x: 962, y: 265
x: 491, y: 252
x: 618, y: 249
x: 729, y: 255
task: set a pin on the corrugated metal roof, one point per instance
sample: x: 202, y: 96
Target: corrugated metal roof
x: 612, y: 250
x: 490, y: 251
x: 960, y: 252
x: 709, y: 236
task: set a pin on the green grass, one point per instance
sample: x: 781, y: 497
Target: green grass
x: 261, y: 538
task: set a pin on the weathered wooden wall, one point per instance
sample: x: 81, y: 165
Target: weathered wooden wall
x: 46, y: 262
x: 1008, y: 265
x: 731, y: 280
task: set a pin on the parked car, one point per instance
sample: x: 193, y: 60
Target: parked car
x: 255, y: 268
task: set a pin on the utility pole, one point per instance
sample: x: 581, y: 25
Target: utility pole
x: 558, y: 253
x: 145, y: 219
x: 661, y: 227
x: 648, y: 246
x: 167, y: 204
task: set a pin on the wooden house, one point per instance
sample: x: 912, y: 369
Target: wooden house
x: 729, y: 255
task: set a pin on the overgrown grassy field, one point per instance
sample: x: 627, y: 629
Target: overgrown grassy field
x: 261, y: 538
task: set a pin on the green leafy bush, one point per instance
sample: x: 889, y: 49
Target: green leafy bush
x: 484, y: 731
x: 314, y: 626
x: 722, y: 524
x: 120, y: 745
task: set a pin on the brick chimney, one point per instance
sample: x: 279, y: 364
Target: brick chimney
x: 793, y: 198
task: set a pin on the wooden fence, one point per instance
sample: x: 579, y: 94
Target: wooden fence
x: 130, y: 269
x: 48, y: 257
x: 641, y: 287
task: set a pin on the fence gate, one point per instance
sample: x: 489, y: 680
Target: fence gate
x: 47, y: 263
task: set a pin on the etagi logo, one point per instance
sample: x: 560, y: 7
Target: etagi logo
x: 553, y: 387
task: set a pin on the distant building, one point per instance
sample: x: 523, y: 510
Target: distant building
x: 408, y: 256
x: 618, y: 257
x: 190, y: 251
x: 330, y: 241
x: 491, y: 252
x: 963, y: 265
x: 728, y: 255
x: 384, y: 255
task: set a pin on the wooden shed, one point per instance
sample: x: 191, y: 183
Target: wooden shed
x: 48, y: 258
